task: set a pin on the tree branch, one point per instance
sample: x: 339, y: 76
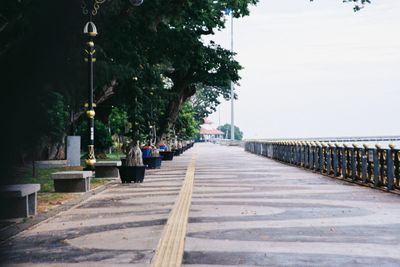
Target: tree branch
x: 106, y: 92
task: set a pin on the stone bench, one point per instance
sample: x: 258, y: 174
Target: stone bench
x: 107, y: 169
x: 72, y: 181
x: 48, y: 164
x: 18, y: 200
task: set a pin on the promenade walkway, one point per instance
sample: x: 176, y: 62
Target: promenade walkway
x: 219, y: 206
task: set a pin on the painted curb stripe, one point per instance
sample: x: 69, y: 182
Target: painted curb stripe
x: 171, y: 246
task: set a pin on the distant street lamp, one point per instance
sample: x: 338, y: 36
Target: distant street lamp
x: 228, y: 12
x: 90, y: 31
x: 232, y: 89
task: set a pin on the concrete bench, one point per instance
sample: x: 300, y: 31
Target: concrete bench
x: 48, y: 164
x: 18, y: 200
x: 72, y: 181
x: 107, y: 169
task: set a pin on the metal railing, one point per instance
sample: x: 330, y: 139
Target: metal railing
x: 374, y: 166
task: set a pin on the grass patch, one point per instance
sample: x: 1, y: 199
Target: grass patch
x: 47, y: 198
x: 114, y: 156
x: 42, y: 177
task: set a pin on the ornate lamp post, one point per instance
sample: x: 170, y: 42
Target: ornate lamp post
x: 90, y: 31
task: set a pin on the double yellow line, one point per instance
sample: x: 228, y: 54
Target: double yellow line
x: 171, y: 246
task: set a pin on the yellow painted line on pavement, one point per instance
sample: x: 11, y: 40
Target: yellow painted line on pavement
x: 171, y: 246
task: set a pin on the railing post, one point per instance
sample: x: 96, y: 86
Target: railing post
x: 364, y: 164
x: 284, y: 152
x: 279, y: 151
x: 344, y: 161
x: 312, y: 154
x: 353, y: 162
x: 382, y: 163
x: 396, y: 162
x: 329, y: 149
x: 302, y: 154
x: 320, y: 158
x: 335, y: 160
x: 377, y: 168
x: 339, y: 152
x: 274, y: 150
x: 307, y: 155
x: 323, y: 158
x: 293, y: 153
x: 390, y: 168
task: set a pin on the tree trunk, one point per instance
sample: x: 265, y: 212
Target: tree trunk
x: 105, y: 93
x: 183, y: 93
x: 48, y: 150
x: 172, y: 114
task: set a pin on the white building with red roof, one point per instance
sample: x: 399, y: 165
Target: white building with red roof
x: 209, y: 132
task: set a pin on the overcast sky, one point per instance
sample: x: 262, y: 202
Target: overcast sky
x: 316, y: 69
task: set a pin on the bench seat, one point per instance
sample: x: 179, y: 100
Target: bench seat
x: 107, y: 169
x: 72, y: 181
x: 18, y: 200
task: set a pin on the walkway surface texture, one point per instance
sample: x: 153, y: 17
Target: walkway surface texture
x: 224, y: 207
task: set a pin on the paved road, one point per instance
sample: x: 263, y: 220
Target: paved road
x: 245, y: 211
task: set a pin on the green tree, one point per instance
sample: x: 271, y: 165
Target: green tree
x: 118, y: 120
x: 226, y: 128
x: 151, y: 59
x: 102, y: 136
x: 55, y: 120
x: 187, y: 127
x: 206, y: 100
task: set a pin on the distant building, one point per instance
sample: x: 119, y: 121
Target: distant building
x: 208, y: 132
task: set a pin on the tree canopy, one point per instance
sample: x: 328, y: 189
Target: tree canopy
x: 152, y: 62
x: 150, y: 59
x: 226, y: 129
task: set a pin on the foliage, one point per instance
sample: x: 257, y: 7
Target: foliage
x: 358, y: 4
x: 187, y: 127
x: 102, y: 136
x: 163, y: 59
x: 55, y: 117
x: 226, y: 128
x: 154, y: 52
x: 205, y: 101
x: 118, y: 120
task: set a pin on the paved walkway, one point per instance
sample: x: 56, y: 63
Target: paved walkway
x: 242, y: 210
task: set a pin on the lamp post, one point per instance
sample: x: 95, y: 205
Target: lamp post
x: 90, y: 31
x: 232, y: 89
x: 228, y: 12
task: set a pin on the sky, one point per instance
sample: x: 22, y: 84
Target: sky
x: 316, y: 69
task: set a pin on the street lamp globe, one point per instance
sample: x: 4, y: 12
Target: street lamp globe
x: 90, y: 29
